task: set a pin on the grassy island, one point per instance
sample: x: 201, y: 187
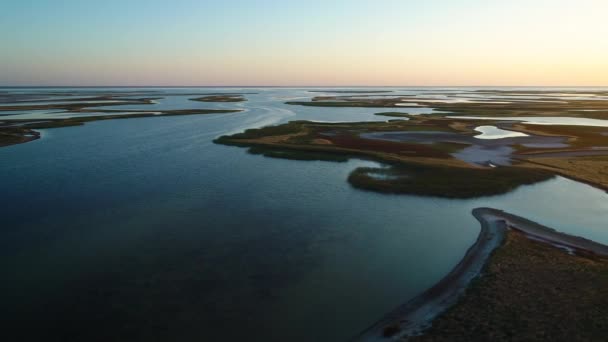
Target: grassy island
x: 431, y: 155
x: 519, y: 281
x: 530, y: 291
x: 220, y: 98
x: 21, y: 131
x: 393, y: 114
x: 351, y: 91
x: 445, y: 181
x: 543, y: 104
x: 416, y: 168
x: 324, y: 101
x: 73, y: 108
x: 76, y: 105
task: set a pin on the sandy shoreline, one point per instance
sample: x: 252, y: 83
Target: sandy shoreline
x: 542, y: 233
x: 417, y: 314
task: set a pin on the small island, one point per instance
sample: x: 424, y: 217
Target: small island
x: 75, y: 109
x: 438, y: 156
x: 220, y: 98
x: 351, y: 91
x: 493, y: 104
x: 21, y: 131
x: 393, y: 114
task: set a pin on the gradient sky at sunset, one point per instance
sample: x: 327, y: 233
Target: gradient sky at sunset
x: 297, y: 43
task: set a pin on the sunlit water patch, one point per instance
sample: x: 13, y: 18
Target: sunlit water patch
x: 493, y: 132
x: 541, y: 120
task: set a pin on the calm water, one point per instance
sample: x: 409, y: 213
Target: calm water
x: 144, y: 230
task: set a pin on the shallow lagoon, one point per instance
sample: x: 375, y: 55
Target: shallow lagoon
x: 493, y: 132
x: 544, y: 120
x: 146, y: 228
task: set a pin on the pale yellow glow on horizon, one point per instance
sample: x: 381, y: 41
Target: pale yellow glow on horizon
x: 525, y: 43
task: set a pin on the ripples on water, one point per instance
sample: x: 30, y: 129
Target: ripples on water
x: 143, y: 229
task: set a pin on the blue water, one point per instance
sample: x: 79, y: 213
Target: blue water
x: 144, y: 230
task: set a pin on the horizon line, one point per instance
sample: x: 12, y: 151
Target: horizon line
x: 301, y: 86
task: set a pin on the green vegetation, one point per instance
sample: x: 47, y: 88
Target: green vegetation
x: 539, y: 92
x: 442, y: 181
x: 20, y: 131
x: 582, y: 136
x: 79, y: 106
x: 75, y: 121
x: 588, y: 169
x: 220, y: 98
x: 19, y: 99
x: 334, y: 104
x: 351, y: 91
x: 421, y: 169
x: 297, y: 155
x: 394, y: 114
x: 549, y: 106
x: 255, y: 133
x: 17, y: 135
x: 577, y: 108
x: 530, y: 291
x: 346, y: 101
x: 449, y: 147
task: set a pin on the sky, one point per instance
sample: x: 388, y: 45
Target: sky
x: 304, y: 43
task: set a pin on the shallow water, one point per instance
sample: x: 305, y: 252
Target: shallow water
x: 143, y: 229
x: 493, y: 132
x: 496, y: 151
x: 541, y: 120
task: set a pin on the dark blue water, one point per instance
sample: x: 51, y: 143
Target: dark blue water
x: 144, y: 230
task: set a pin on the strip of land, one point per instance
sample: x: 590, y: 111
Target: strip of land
x: 413, y: 318
x: 393, y: 114
x: 438, y: 156
x: 220, y: 98
x: 94, y: 95
x: 73, y: 108
x: 351, y: 91
x: 493, y: 103
x: 22, y: 131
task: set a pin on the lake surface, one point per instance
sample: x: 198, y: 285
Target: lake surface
x: 144, y: 230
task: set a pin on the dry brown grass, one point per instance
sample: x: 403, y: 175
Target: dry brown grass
x: 592, y: 170
x: 530, y: 291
